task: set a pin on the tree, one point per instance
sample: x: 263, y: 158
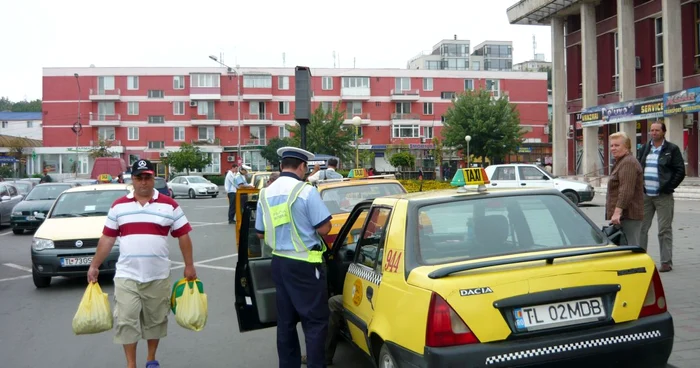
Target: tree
x: 187, y: 158
x: 438, y: 151
x: 366, y: 158
x: 325, y: 134
x: 403, y: 159
x: 21, y: 106
x: 269, y: 152
x: 101, y: 149
x: 493, y: 124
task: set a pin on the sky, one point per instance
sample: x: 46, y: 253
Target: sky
x: 377, y: 34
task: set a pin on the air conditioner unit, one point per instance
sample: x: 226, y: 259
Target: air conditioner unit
x: 163, y: 154
x: 193, y: 103
x: 231, y: 159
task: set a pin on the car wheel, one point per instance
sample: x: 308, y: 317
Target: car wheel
x: 214, y: 196
x: 172, y: 194
x: 386, y: 360
x: 18, y: 231
x: 573, y: 197
x: 40, y: 281
x: 191, y: 194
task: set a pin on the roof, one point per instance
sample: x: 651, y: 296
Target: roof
x: 9, y: 116
x: 538, y: 12
x: 6, y: 141
x: 100, y: 187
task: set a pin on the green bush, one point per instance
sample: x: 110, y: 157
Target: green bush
x: 216, y: 179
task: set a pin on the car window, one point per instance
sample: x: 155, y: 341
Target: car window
x: 197, y: 180
x: 343, y: 199
x: 47, y: 192
x: 501, y: 225
x: 4, y: 191
x: 504, y: 173
x: 88, y: 203
x: 23, y: 188
x: 372, y: 239
x: 530, y: 173
x: 160, y: 183
x: 12, y: 190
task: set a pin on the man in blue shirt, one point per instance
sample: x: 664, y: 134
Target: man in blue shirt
x: 230, y: 188
x: 291, y: 217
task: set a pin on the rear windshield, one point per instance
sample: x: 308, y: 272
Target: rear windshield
x: 46, y: 192
x: 160, y: 183
x: 459, y: 230
x: 344, y: 199
x: 87, y: 203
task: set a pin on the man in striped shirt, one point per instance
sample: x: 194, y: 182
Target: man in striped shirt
x: 142, y: 220
x: 664, y: 170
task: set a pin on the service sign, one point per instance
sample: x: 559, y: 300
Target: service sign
x: 649, y: 108
x: 682, y: 102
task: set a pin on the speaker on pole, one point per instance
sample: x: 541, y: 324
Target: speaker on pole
x: 302, y: 100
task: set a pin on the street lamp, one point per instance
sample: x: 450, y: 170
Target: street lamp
x: 79, y: 127
x: 238, y: 98
x: 468, y: 138
x: 356, y: 121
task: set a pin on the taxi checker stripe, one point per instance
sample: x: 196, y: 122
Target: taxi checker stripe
x: 549, y: 350
x: 365, y: 274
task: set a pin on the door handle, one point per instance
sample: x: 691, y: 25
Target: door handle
x: 494, y: 184
x: 523, y: 184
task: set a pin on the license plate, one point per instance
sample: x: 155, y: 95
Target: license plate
x: 31, y: 218
x: 540, y: 317
x: 75, y: 261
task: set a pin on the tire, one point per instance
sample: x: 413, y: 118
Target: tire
x: 191, y: 194
x: 40, y: 281
x: 18, y: 231
x: 573, y: 197
x: 386, y: 360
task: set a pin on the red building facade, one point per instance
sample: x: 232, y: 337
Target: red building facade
x: 145, y: 112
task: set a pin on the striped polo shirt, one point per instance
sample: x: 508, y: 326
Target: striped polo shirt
x: 651, y: 170
x: 142, y: 232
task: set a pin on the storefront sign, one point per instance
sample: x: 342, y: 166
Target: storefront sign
x: 682, y: 102
x: 7, y: 159
x: 648, y: 108
x: 417, y: 146
x: 379, y: 146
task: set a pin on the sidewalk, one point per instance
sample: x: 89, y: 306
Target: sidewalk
x: 689, y: 188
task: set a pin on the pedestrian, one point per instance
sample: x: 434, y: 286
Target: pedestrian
x: 240, y: 179
x: 664, y: 170
x: 230, y: 187
x: 292, y: 219
x: 274, y: 176
x: 142, y: 220
x: 624, y: 200
x: 120, y: 178
x: 46, y: 178
x: 329, y: 173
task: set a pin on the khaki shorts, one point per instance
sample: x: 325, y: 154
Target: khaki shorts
x: 141, y: 310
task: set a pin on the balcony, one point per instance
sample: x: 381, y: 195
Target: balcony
x: 105, y: 95
x: 355, y: 93
x: 257, y: 119
x: 405, y: 117
x: 255, y: 142
x: 206, y: 142
x: 257, y: 94
x: 205, y: 93
x: 405, y: 95
x: 206, y: 120
x: 105, y: 120
x: 366, y: 118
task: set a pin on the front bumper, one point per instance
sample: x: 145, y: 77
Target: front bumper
x: 646, y: 342
x: 21, y: 222
x: 586, y: 196
x: 47, y: 262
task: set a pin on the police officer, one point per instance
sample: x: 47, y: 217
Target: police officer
x: 291, y: 217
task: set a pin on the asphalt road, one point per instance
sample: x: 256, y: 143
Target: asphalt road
x: 36, y: 324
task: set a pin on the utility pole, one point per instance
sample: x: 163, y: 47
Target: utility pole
x: 77, y: 127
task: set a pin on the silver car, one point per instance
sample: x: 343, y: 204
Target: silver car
x: 193, y: 187
x: 9, y: 197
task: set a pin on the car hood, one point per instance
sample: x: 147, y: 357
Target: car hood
x: 37, y: 205
x: 71, y: 228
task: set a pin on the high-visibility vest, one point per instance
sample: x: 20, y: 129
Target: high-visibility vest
x: 275, y: 216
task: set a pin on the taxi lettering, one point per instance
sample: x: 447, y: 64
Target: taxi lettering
x: 392, y: 260
x: 475, y: 291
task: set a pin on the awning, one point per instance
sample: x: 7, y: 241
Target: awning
x: 536, y: 12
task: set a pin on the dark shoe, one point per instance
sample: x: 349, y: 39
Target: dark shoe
x: 666, y: 267
x: 153, y: 364
x: 303, y: 360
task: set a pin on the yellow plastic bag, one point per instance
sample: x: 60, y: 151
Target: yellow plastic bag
x: 192, y: 307
x: 94, y: 314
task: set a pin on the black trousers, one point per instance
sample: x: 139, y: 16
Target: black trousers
x: 301, y: 296
x: 231, y: 206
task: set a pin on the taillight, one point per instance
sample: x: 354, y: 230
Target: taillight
x: 655, y: 301
x: 445, y: 327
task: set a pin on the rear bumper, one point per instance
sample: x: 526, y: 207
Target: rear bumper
x: 643, y: 343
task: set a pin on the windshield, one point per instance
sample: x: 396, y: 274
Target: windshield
x: 500, y: 225
x: 46, y: 192
x: 89, y: 203
x: 344, y: 199
x: 197, y: 180
x: 160, y: 183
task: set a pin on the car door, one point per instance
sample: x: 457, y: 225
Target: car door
x: 531, y: 176
x: 504, y: 177
x: 180, y: 184
x: 5, y: 203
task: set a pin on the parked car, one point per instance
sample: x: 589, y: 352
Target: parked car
x: 23, y: 186
x: 161, y: 186
x: 29, y: 214
x: 9, y: 197
x: 193, y: 187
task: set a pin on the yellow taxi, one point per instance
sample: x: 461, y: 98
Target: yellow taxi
x: 502, y: 278
x: 259, y: 179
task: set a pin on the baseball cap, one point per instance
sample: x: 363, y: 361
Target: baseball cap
x: 142, y: 167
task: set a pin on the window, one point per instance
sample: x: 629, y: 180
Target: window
x: 427, y: 108
x: 403, y: 107
x: 494, y: 85
x: 504, y: 173
x: 343, y: 199
x: 215, y: 165
x: 447, y: 95
x: 697, y: 37
x: 616, y: 55
x: 4, y: 124
x: 155, y: 93
x: 354, y: 108
x: 30, y: 124
x: 403, y: 84
x: 371, y: 246
x: 204, y: 80
x: 179, y: 133
x: 283, y: 107
x: 327, y: 83
x: 179, y: 82
x: 405, y: 131
x: 156, y: 119
x: 105, y: 133
x: 257, y: 108
x: 205, y: 133
x: 206, y: 108
x: 283, y: 83
x: 105, y: 84
x: 468, y: 84
x: 659, y: 66
x: 258, y: 135
x: 132, y: 83
x: 104, y: 109
x: 476, y: 65
x: 132, y: 108
x: 133, y: 133
x: 327, y: 106
x: 427, y: 84
x: 283, y: 132
x: 355, y: 82
x: 530, y: 173
x: 433, y: 65
x: 257, y: 81
x: 494, y: 226
x: 156, y: 144
x: 428, y: 132
x: 179, y: 108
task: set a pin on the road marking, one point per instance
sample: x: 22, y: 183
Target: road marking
x: 18, y: 267
x: 209, y: 224
x: 218, y: 258
x: 9, y: 232
x: 201, y: 263
x: 15, y: 278
x: 212, y: 206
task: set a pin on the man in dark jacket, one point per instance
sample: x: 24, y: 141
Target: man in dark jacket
x: 664, y: 170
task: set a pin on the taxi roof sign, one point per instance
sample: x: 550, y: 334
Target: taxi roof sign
x: 470, y: 176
